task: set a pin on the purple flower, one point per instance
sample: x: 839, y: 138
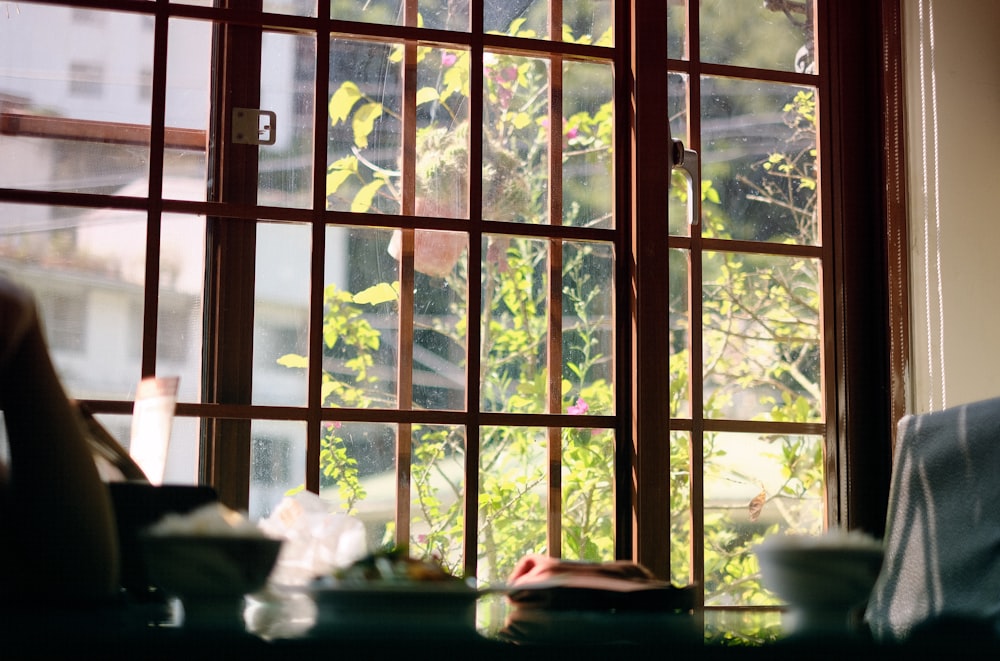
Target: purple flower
x: 580, y: 408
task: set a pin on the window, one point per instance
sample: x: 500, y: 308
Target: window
x: 417, y: 293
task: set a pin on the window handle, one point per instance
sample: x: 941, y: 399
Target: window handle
x: 687, y: 161
x: 248, y: 129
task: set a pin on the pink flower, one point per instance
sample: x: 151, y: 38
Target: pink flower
x: 332, y: 425
x: 448, y: 58
x: 572, y: 133
x: 580, y: 408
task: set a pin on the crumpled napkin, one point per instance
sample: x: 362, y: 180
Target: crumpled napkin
x: 317, y: 541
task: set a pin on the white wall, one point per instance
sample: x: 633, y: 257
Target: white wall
x: 952, y: 59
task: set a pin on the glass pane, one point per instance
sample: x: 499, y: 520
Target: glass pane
x: 588, y: 135
x: 383, y: 12
x: 764, y: 35
x: 442, y: 153
x: 762, y: 338
x: 588, y: 338
x: 680, y: 334
x: 759, y: 150
x: 678, y: 211
x: 189, y: 66
x: 680, y: 508
x: 444, y: 15
x: 291, y: 7
x: 358, y: 475
x: 517, y: 18
x: 360, y: 320
x: 75, y: 98
x: 514, y: 325
x: 281, y: 313
x: 588, y: 511
x: 677, y: 46
x: 437, y: 493
x: 512, y: 498
x: 277, y: 463
x: 86, y: 268
x: 285, y: 171
x: 588, y: 21
x: 440, y: 309
x: 515, y: 142
x: 755, y: 486
x: 181, y: 296
x: 364, y: 147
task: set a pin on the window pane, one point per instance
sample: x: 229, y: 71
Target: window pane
x: 754, y: 486
x: 514, y: 325
x: 440, y: 309
x: 512, y: 498
x: 515, y: 147
x: 588, y: 339
x: 383, y: 12
x: 588, y: 134
x: 518, y: 18
x: 86, y: 268
x: 277, y: 463
x: 765, y: 35
x: 759, y: 152
x: 588, y: 21
x: 181, y: 296
x: 445, y: 15
x: 292, y: 7
x: 679, y: 210
x: 437, y: 492
x: 360, y: 320
x: 677, y: 33
x: 680, y: 334
x: 358, y: 474
x: 762, y: 338
x: 189, y: 66
x: 73, y: 101
x: 680, y: 508
x: 364, y: 136
x: 287, y: 88
x: 442, y: 153
x: 588, y: 512
x: 281, y: 313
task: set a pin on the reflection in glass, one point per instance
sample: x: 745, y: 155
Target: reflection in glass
x: 277, y: 463
x: 759, y: 150
x: 761, y: 338
x: 189, y: 65
x: 181, y: 295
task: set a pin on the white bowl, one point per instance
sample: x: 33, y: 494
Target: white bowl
x: 820, y: 578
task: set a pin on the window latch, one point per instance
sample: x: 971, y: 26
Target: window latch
x: 254, y: 127
x: 687, y: 161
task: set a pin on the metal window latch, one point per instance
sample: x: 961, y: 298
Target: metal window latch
x: 686, y: 160
x: 248, y: 129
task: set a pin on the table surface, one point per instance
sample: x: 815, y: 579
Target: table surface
x: 279, y: 628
